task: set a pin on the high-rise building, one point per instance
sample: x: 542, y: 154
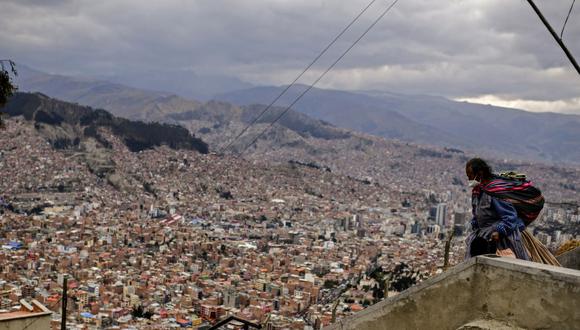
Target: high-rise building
x: 458, y: 230
x: 544, y: 238
x: 358, y: 221
x: 460, y: 218
x: 416, y: 228
x: 231, y: 298
x: 433, y: 230
x: 558, y: 236
x: 441, y: 216
x: 432, y: 213
x: 27, y: 291
x: 94, y: 289
x: 347, y: 223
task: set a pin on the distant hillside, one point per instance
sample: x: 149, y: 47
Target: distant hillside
x: 435, y: 121
x: 219, y: 116
x: 184, y: 83
x: 123, y: 101
x: 69, y: 124
x: 344, y: 110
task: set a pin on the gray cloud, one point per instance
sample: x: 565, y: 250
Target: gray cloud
x: 41, y: 3
x: 457, y: 48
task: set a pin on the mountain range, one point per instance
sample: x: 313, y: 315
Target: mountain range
x: 213, y: 121
x: 124, y: 101
x: 185, y: 83
x: 478, y: 129
x: 434, y: 120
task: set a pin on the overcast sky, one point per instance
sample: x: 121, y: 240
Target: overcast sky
x: 492, y: 51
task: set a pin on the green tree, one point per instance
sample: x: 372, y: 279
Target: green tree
x: 329, y: 284
x: 7, y: 86
x: 137, y: 312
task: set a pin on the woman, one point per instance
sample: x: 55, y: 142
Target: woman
x: 496, y: 225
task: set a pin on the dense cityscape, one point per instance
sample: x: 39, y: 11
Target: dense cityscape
x: 172, y: 238
x: 289, y: 165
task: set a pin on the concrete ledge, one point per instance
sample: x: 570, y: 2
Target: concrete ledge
x: 522, y: 293
x: 570, y: 259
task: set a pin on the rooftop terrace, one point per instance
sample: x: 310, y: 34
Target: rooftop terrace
x: 30, y: 316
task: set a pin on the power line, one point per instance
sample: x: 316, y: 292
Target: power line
x: 320, y: 77
x: 556, y: 37
x: 299, y: 76
x: 567, y: 17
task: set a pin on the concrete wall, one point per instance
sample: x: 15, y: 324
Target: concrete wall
x: 33, y: 323
x: 521, y: 293
x: 570, y: 259
x: 529, y: 295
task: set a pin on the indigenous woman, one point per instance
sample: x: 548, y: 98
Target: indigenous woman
x: 496, y: 225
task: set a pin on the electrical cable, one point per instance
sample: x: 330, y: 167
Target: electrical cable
x: 298, y: 77
x: 555, y: 35
x: 319, y: 78
x: 567, y: 17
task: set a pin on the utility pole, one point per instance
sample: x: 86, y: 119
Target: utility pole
x: 447, y: 248
x: 334, y: 306
x: 64, y: 302
x: 555, y: 35
x: 387, y: 286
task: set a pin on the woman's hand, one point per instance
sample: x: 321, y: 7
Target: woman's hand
x: 494, y: 236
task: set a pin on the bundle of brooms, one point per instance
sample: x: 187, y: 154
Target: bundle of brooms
x: 538, y: 252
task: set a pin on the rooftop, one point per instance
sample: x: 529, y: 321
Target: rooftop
x: 33, y: 309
